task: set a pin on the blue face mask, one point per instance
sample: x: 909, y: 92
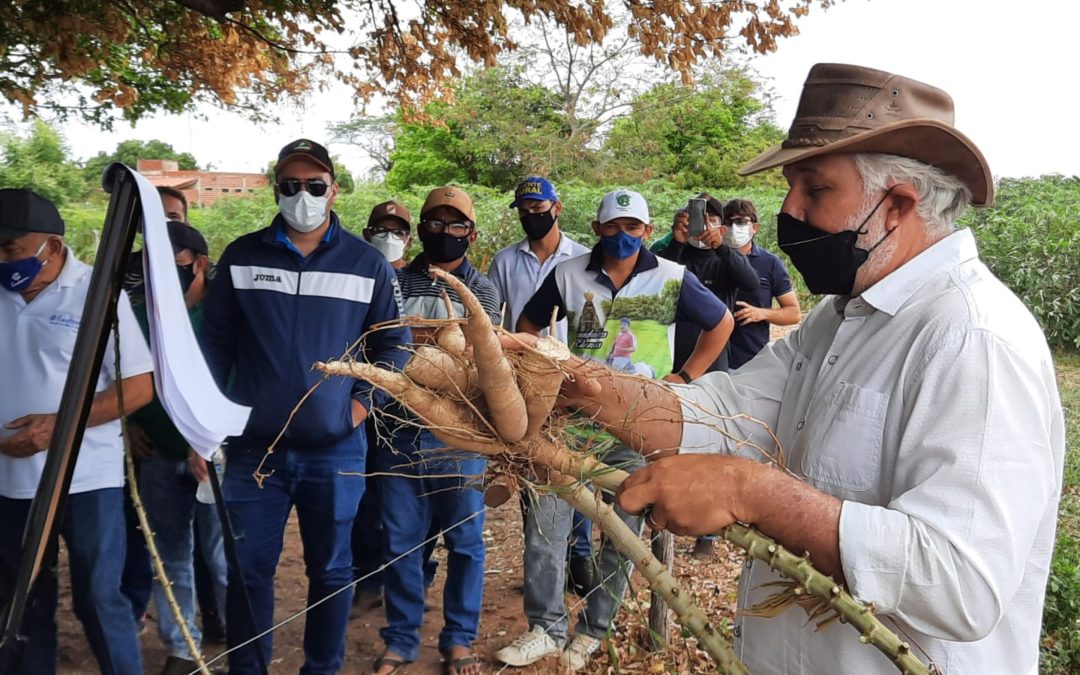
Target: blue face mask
x: 17, y: 276
x: 621, y: 245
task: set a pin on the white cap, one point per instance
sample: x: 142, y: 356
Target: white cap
x: 623, y: 204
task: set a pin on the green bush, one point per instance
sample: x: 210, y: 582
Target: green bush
x: 1031, y: 241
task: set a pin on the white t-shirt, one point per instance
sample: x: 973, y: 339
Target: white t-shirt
x: 38, y: 340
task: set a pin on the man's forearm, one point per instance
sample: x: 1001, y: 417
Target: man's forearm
x: 709, y: 346
x: 642, y: 413
x: 138, y: 391
x: 783, y: 316
x: 800, y: 517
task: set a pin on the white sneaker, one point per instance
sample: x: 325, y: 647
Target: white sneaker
x: 528, y: 648
x: 579, y: 652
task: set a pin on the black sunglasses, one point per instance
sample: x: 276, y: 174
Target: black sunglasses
x: 317, y: 187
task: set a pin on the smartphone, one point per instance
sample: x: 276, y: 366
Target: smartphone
x: 696, y: 211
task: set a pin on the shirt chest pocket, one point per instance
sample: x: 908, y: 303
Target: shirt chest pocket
x: 844, y: 447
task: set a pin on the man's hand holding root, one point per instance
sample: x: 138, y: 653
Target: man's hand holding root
x: 703, y: 494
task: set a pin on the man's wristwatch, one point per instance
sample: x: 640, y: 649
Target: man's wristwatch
x: 685, y: 378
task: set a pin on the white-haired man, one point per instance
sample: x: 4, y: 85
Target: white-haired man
x: 917, y: 406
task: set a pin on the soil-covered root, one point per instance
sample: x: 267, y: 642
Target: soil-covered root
x: 496, y: 378
x: 451, y: 422
x: 440, y: 371
x: 540, y: 378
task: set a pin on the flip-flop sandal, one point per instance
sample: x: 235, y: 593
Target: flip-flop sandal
x: 457, y: 666
x: 384, y: 660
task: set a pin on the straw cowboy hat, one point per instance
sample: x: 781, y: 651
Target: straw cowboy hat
x: 847, y: 108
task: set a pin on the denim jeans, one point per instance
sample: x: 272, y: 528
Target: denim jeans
x: 548, y: 525
x: 367, y: 546
x: 410, y: 506
x: 325, y: 485
x: 137, y: 580
x: 168, y: 489
x: 93, y: 530
x: 581, y: 537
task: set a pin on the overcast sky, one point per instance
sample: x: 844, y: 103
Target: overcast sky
x: 1011, y: 67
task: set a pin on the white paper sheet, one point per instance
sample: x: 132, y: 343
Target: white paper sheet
x: 201, y: 413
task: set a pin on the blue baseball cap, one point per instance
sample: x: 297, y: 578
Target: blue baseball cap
x: 534, y: 187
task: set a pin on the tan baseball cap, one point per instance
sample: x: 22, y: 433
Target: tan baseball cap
x: 452, y: 197
x: 390, y: 210
x: 846, y: 108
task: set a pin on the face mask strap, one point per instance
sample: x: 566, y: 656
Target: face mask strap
x: 859, y: 230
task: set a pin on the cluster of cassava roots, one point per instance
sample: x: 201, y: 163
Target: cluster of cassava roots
x: 500, y: 403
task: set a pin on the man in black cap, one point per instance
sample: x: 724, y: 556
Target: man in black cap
x: 42, y: 293
x: 298, y: 291
x: 170, y: 474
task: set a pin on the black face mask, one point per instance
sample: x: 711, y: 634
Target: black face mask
x: 828, y: 262
x: 187, y: 276
x: 443, y: 247
x: 537, y: 225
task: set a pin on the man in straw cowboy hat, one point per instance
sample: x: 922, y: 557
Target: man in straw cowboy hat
x: 916, y: 406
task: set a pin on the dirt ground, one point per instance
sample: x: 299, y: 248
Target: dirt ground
x: 712, y: 582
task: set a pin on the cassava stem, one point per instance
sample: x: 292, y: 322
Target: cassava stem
x: 144, y: 521
x: 660, y: 579
x: 760, y: 547
x: 871, y: 629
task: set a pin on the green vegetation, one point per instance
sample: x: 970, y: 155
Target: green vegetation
x: 40, y: 162
x: 1061, y: 617
x: 1030, y: 239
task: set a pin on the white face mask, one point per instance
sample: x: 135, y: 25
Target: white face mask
x: 738, y: 236
x: 302, y: 211
x: 389, y: 245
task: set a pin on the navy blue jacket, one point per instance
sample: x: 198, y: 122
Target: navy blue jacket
x: 271, y: 313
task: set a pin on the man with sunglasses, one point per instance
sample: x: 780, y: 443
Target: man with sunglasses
x: 619, y: 282
x: 420, y: 483
x: 293, y: 293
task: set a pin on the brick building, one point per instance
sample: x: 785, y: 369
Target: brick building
x: 200, y: 187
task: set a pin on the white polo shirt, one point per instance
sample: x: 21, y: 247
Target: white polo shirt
x: 38, y: 339
x: 518, y: 273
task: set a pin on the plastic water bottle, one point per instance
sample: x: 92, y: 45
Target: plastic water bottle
x: 205, y: 492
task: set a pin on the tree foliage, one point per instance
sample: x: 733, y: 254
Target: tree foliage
x: 130, y: 152
x: 697, y: 135
x: 498, y: 128
x: 40, y: 163
x: 134, y: 57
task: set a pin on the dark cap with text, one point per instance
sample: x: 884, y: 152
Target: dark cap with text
x: 23, y: 212
x: 304, y: 149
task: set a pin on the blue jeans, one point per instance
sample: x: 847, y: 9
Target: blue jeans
x: 367, y: 528
x: 581, y: 537
x: 137, y: 580
x: 168, y: 489
x: 410, y: 507
x: 315, y: 482
x: 93, y: 530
